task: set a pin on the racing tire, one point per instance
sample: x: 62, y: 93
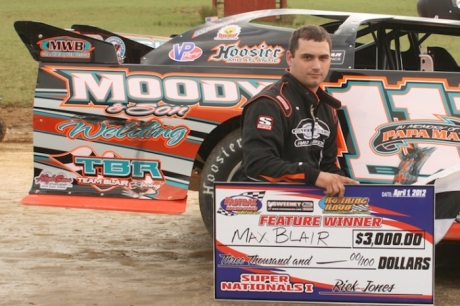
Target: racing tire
x: 2, y: 129
x: 222, y: 165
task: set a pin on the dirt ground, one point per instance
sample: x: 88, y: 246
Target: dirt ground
x: 18, y: 123
x: 63, y: 256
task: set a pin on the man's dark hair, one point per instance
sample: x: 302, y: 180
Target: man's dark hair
x: 308, y: 32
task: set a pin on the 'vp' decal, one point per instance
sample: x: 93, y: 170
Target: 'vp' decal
x: 186, y: 52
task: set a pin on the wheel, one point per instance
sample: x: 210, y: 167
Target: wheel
x: 2, y: 129
x: 223, y: 165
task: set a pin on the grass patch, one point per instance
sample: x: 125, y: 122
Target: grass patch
x: 18, y: 71
x: 207, y: 11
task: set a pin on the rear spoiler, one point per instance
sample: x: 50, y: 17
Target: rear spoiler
x: 134, y: 50
x: 82, y: 44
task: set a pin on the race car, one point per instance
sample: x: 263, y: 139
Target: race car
x: 119, y: 124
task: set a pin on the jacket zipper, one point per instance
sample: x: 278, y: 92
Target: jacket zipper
x: 312, y: 113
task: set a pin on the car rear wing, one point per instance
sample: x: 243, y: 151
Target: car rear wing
x: 81, y: 44
x: 133, y: 52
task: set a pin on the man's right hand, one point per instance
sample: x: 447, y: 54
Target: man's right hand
x: 333, y: 184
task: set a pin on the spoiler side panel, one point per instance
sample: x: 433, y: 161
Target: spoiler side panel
x: 128, y: 51
x: 47, y: 43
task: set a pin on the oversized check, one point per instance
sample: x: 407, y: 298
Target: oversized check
x: 285, y: 242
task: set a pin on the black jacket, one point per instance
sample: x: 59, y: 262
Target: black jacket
x: 289, y: 134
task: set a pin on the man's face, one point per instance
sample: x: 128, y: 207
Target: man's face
x: 311, y: 62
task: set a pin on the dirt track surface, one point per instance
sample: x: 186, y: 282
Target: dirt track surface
x: 62, y: 256
x: 59, y: 256
x: 18, y: 123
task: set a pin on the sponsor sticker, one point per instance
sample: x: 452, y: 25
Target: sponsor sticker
x: 345, y: 205
x: 55, y: 181
x: 258, y: 54
x: 286, y: 206
x: 139, y: 178
x: 265, y: 123
x: 310, y: 134
x: 230, y: 32
x: 119, y: 46
x: 185, y: 52
x: 65, y: 47
x: 246, y: 203
x: 337, y: 57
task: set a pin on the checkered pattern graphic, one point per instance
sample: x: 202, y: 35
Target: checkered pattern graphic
x: 360, y: 208
x: 67, y: 159
x: 251, y: 194
x: 254, y: 194
x: 225, y: 212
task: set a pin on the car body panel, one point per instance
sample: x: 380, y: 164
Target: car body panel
x: 114, y: 118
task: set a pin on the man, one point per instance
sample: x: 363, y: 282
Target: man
x: 289, y: 129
